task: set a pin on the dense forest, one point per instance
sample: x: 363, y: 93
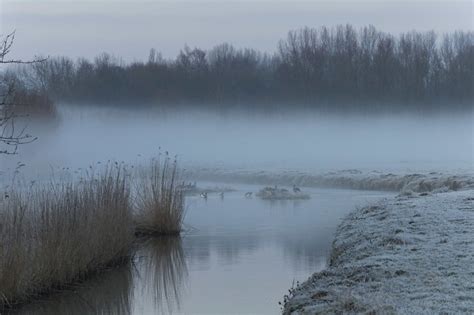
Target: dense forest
x: 314, y: 67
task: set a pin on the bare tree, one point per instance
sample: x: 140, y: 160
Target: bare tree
x: 326, y: 67
x: 10, y: 135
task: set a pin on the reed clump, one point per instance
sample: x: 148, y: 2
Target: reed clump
x: 53, y: 235
x: 56, y: 234
x: 159, y: 201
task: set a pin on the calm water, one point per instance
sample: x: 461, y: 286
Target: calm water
x: 238, y: 256
x: 304, y: 141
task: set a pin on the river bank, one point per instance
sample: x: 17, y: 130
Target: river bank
x: 398, y: 181
x: 408, y: 254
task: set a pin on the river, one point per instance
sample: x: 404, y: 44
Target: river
x: 237, y: 255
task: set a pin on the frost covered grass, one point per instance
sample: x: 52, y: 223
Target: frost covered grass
x: 348, y: 179
x: 55, y: 234
x: 159, y: 201
x: 408, y: 255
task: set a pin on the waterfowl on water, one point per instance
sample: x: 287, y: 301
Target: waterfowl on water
x: 204, y: 195
x: 296, y: 189
x: 248, y: 194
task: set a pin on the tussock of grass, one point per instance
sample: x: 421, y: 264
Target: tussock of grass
x: 159, y: 201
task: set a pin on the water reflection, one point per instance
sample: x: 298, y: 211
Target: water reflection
x: 305, y: 250
x: 162, y: 262
x: 107, y: 293
x: 241, y: 256
x: 153, y: 284
x: 227, y: 248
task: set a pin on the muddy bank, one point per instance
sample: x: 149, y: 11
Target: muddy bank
x: 404, y: 255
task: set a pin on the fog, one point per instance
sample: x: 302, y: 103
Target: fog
x: 230, y: 140
x: 287, y: 140
x: 283, y: 117
x: 259, y: 141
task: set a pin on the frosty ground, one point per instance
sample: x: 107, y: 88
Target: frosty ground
x: 427, y: 181
x: 412, y: 254
x: 408, y: 255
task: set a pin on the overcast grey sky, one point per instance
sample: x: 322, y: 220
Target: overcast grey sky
x: 129, y: 29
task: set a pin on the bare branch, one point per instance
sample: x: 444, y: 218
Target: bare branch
x: 10, y: 137
x: 18, y: 61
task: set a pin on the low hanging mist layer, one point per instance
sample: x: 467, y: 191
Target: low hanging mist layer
x: 300, y: 140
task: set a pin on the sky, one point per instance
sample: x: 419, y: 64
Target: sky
x: 129, y: 29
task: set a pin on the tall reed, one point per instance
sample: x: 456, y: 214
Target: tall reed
x: 159, y: 202
x: 55, y: 234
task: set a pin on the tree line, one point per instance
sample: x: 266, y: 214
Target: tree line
x: 314, y: 67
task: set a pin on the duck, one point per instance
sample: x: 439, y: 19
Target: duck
x: 204, y: 195
x: 248, y: 194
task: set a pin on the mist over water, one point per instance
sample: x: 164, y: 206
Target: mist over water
x: 292, y: 137
x: 241, y: 139
x: 238, y: 253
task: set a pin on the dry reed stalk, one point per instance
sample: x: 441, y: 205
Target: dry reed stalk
x: 53, y: 235
x: 159, y: 202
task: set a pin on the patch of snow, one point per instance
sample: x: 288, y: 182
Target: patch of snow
x: 406, y: 255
